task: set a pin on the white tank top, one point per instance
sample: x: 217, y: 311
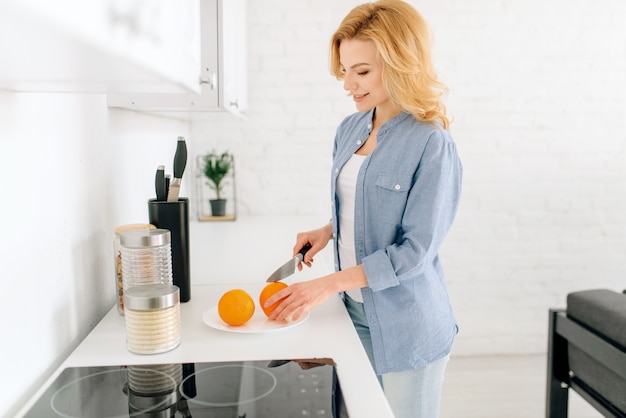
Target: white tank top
x: 346, y: 189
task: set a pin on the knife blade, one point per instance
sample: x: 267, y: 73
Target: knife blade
x: 180, y: 161
x: 289, y: 267
x: 159, y: 184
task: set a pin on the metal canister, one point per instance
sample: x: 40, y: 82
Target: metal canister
x: 152, y: 316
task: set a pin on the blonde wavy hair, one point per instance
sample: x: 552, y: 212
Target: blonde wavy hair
x: 403, y: 43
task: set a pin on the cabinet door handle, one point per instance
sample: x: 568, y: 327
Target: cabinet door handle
x: 211, y: 80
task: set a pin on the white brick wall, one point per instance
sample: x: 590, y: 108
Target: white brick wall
x: 537, y: 94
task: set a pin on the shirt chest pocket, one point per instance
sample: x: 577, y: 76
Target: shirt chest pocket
x: 391, y: 194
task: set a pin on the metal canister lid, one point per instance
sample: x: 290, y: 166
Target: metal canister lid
x: 147, y: 297
x: 145, y: 238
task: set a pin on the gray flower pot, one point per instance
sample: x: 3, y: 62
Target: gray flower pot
x: 218, y: 207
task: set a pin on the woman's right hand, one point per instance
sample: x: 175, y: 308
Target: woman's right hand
x: 318, y: 238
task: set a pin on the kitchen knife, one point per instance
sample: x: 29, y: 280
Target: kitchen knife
x: 159, y: 184
x: 180, y: 161
x: 289, y: 267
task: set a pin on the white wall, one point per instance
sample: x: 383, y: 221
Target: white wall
x: 72, y: 170
x: 537, y: 93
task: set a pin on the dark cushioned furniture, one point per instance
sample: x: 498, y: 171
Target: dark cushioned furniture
x: 587, y: 353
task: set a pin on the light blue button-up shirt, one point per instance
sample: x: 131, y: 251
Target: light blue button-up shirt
x: 407, y: 195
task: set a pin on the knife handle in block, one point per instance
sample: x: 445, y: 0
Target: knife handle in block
x: 159, y: 184
x: 180, y: 158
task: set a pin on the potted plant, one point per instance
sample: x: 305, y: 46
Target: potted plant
x: 216, y: 167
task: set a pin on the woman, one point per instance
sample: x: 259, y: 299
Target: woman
x: 396, y: 183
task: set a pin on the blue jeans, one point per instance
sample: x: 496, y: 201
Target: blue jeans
x: 410, y: 393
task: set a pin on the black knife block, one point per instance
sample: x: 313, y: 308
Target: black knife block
x: 174, y: 216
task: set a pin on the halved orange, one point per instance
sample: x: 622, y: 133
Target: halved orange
x: 267, y: 293
x: 235, y: 307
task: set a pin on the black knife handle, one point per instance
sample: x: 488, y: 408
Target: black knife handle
x: 180, y: 157
x: 304, y: 250
x: 159, y: 183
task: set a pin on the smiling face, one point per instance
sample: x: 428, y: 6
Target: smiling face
x: 362, y: 74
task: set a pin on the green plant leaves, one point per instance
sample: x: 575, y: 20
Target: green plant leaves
x: 216, y: 167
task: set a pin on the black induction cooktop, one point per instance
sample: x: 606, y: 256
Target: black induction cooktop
x: 245, y: 389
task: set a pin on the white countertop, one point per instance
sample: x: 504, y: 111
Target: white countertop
x: 328, y: 332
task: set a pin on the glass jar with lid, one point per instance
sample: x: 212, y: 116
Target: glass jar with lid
x: 117, y: 258
x: 152, y: 317
x: 146, y: 257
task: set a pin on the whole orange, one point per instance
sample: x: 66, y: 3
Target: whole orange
x: 235, y: 307
x: 267, y: 293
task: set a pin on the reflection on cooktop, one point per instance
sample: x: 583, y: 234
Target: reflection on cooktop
x: 260, y: 389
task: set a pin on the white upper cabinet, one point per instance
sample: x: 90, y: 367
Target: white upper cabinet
x: 221, y: 76
x: 103, y: 46
x: 233, y: 55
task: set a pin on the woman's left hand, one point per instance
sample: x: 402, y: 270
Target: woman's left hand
x: 298, y: 298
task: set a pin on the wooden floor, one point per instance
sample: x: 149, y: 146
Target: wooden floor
x: 501, y: 387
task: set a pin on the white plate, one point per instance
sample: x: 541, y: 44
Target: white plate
x: 258, y: 323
